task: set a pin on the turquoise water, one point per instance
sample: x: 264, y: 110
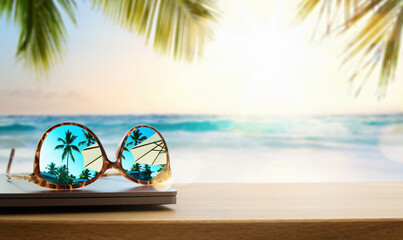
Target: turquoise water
x: 242, y: 149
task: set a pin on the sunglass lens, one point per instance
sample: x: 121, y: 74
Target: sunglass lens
x: 70, y: 155
x: 145, y: 155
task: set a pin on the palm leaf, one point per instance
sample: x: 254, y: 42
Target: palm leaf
x: 61, y: 140
x: 65, y: 152
x: 72, y: 157
x: 42, y: 30
x: 306, y: 7
x: 73, y: 138
x: 125, y: 149
x: 178, y: 28
x: 390, y: 56
x: 75, y: 148
x: 59, y: 147
x: 379, y: 22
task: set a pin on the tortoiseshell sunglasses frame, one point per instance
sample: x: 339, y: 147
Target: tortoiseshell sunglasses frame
x: 36, y: 177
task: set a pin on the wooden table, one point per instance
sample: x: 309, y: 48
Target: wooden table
x: 228, y: 211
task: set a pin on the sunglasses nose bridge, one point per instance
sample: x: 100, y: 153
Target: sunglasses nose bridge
x: 113, y: 165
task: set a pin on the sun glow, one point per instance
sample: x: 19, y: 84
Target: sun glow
x: 267, y: 55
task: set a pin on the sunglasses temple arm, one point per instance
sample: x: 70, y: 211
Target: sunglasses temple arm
x: 10, y: 161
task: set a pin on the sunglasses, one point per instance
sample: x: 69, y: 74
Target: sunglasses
x: 69, y: 155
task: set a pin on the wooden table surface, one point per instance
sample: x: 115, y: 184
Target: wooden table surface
x: 228, y: 211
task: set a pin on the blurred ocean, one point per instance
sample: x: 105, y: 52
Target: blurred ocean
x: 202, y: 148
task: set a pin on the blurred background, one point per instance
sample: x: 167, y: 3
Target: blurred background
x: 269, y: 99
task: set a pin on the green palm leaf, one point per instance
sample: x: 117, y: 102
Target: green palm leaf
x: 178, y: 28
x: 125, y: 149
x: 89, y: 139
x: 65, y: 152
x: 59, y: 147
x: 61, y: 140
x: 378, y: 40
x: 75, y: 148
x: 72, y: 157
x: 42, y: 30
x: 68, y: 147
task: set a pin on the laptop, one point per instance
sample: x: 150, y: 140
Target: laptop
x: 112, y: 190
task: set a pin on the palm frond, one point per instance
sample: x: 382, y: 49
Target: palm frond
x: 306, y: 7
x: 6, y: 7
x: 390, y: 56
x: 42, y: 30
x: 75, y: 148
x: 73, y: 138
x: 65, y: 152
x: 72, y: 157
x: 61, y: 140
x: 59, y: 147
x: 178, y: 28
x: 379, y: 22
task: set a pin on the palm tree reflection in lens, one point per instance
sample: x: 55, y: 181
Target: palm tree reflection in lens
x: 52, y: 168
x: 89, y: 139
x: 145, y: 155
x: 85, y: 174
x: 71, y: 151
x: 68, y: 147
x: 136, y: 137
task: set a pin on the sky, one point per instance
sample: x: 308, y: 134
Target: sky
x: 259, y: 63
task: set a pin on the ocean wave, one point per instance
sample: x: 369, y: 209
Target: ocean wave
x: 305, y: 131
x: 16, y: 127
x: 201, y: 123
x: 197, y: 126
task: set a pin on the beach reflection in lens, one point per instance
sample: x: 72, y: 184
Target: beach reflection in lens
x: 70, y: 155
x: 145, y: 155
